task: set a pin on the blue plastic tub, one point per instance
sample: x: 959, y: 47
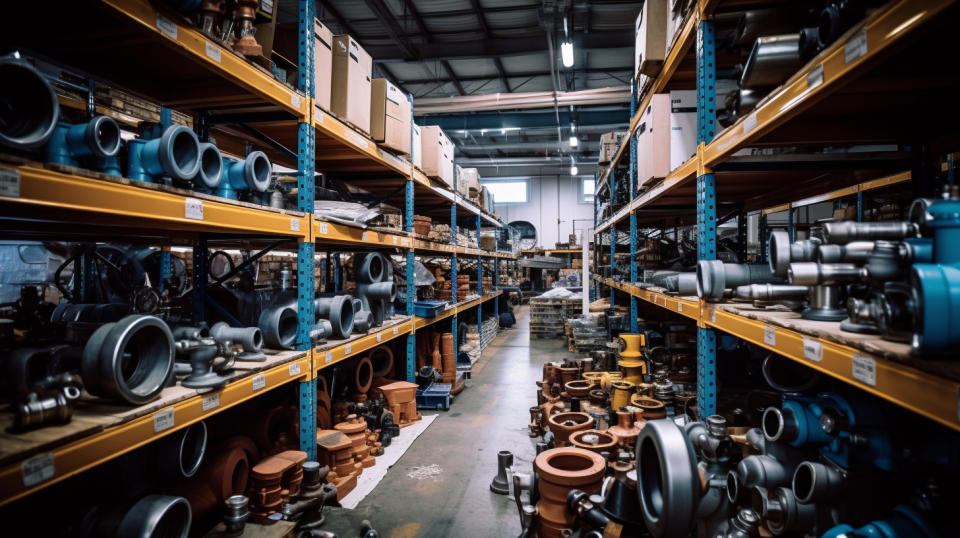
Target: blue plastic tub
x: 436, y: 396
x: 428, y: 309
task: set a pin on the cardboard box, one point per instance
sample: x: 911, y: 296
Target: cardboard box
x: 351, y: 85
x: 437, y: 152
x: 653, y: 141
x: 390, y: 116
x: 468, y: 182
x: 609, y: 142
x: 486, y: 199
x: 651, y: 37
x: 416, y: 150
x: 683, y: 126
x: 675, y: 22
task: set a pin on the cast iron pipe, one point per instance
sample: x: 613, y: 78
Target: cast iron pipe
x: 128, y: 360
x: 250, y: 338
x: 278, y: 325
x: 714, y: 277
x: 339, y: 310
x: 29, y: 109
x: 181, y: 454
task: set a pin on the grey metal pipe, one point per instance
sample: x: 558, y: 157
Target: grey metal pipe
x: 339, y: 310
x: 813, y: 274
x: 771, y: 292
x: 128, y: 360
x: 845, y: 231
x: 687, y: 283
x: 250, y: 338
x: 782, y: 251
x: 31, y: 110
x: 773, y: 59
x: 278, y: 325
x: 815, y: 483
x: 714, y: 276
x: 156, y: 515
x: 853, y: 252
x: 781, y: 512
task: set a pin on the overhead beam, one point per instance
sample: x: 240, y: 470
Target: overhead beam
x: 502, y: 74
x: 499, y: 46
x: 524, y: 74
x: 478, y: 11
x: 418, y: 18
x: 389, y: 21
x: 512, y: 120
x: 453, y: 77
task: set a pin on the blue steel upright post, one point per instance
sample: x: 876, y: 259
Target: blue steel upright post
x: 634, y: 312
x: 596, y: 239
x: 479, y: 284
x: 613, y: 231
x: 305, y: 248
x: 496, y: 273
x: 453, y: 262
x: 706, y: 210
x: 411, y: 279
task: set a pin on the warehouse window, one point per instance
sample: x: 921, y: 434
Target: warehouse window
x: 587, y: 187
x: 507, y: 192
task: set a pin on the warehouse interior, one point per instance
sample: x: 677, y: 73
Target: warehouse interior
x: 432, y: 268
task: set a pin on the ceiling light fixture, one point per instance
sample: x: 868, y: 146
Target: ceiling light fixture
x: 574, y: 142
x: 566, y: 47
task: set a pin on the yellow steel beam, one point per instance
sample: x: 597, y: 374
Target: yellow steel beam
x: 328, y: 357
x: 88, y: 452
x: 333, y: 127
x: 331, y: 232
x: 51, y: 191
x: 224, y: 63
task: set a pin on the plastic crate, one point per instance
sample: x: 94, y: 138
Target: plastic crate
x: 428, y: 309
x: 436, y: 396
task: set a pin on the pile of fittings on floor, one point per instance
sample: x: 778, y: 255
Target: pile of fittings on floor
x: 621, y: 452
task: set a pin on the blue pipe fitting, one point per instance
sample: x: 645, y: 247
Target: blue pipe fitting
x: 938, y: 284
x: 251, y: 174
x: 175, y: 154
x: 905, y: 522
x: 211, y: 169
x: 93, y: 145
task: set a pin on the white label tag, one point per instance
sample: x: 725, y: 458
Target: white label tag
x: 856, y: 47
x: 865, y: 370
x: 210, y: 402
x: 328, y: 357
x: 812, y: 349
x: 347, y: 349
x: 193, y: 208
x: 815, y: 77
x: 167, y: 26
x: 357, y: 139
x: 394, y: 240
x: 163, y: 420
x: 294, y: 369
x: 396, y: 331
x: 770, y: 336
x: 9, y: 183
x: 259, y: 381
x: 750, y: 123
x: 679, y: 306
x: 294, y: 225
x: 213, y: 52
x: 379, y: 337
x: 323, y: 227
x: 713, y: 316
x: 365, y: 236
x: 37, y: 469
x: 317, y: 115
x: 295, y: 101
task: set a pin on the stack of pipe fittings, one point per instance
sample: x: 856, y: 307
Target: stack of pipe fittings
x: 375, y: 288
x: 171, y: 155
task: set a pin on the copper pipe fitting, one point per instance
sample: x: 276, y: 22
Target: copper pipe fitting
x: 626, y: 431
x: 578, y: 388
x: 564, y: 424
x: 561, y: 470
x: 594, y: 440
x: 401, y: 397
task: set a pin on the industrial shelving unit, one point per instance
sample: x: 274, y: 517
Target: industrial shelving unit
x: 717, y: 178
x: 37, y: 201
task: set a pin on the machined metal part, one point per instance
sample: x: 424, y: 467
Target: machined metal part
x: 30, y: 107
x: 773, y: 59
x: 899, y: 311
x: 278, y: 326
x: 201, y: 353
x: 128, y: 360
x: 182, y: 453
x: 174, y: 154
x: 826, y: 304
x: 91, y: 144
x: 853, y: 252
x: 846, y: 231
x: 814, y: 274
x: 863, y: 314
x: 236, y: 513
x: 771, y: 292
x: 780, y: 511
x: 816, y: 482
x: 667, y: 478
x: 156, y: 515
x: 250, y: 174
x: 339, y: 310
x: 250, y: 338
x: 781, y: 251
x: 714, y: 277
x: 35, y: 410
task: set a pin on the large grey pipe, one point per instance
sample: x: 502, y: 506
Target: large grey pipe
x: 814, y: 274
x: 782, y: 251
x: 815, y: 483
x: 845, y: 231
x: 128, y: 360
x: 773, y: 59
x: 278, y: 325
x: 339, y: 310
x: 182, y: 453
x: 29, y: 109
x: 156, y: 515
x: 714, y: 276
x: 853, y: 252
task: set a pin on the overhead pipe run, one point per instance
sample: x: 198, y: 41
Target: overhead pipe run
x: 520, y: 100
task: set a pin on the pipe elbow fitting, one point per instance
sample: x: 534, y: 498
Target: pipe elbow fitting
x: 250, y: 174
x: 817, y: 483
x: 210, y: 172
x: 32, y: 101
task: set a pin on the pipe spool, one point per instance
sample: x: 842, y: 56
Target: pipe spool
x: 182, y: 453
x: 128, y: 360
x: 211, y: 168
x: 249, y: 174
x: 30, y: 109
x: 98, y: 138
x: 667, y: 478
x: 250, y: 338
x: 339, y: 310
x: 381, y: 358
x: 278, y: 326
x: 846, y: 231
x: 174, y: 154
x: 715, y: 276
x: 773, y: 59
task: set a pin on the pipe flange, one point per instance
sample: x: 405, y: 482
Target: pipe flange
x: 156, y: 515
x: 210, y: 172
x: 179, y: 152
x: 130, y: 359
x: 668, y: 481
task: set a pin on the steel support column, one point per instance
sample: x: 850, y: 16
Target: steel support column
x: 632, y: 182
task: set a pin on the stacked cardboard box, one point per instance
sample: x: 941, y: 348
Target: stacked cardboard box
x: 437, y: 154
x: 390, y: 116
x: 351, y: 89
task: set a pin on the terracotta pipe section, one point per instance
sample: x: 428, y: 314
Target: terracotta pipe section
x: 561, y: 470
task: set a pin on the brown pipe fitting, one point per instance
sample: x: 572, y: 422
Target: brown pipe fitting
x: 335, y: 450
x: 593, y: 440
x: 625, y: 430
x: 564, y: 424
x: 220, y: 477
x: 363, y: 375
x: 651, y: 409
x: 401, y: 397
x: 271, y: 477
x: 561, y: 470
x: 578, y: 388
x: 568, y: 374
x: 446, y: 344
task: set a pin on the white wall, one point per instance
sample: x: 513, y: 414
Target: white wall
x: 548, y: 197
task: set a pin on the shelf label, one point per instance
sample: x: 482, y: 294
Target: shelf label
x: 679, y: 306
x: 750, y: 123
x: 357, y: 139
x: 865, y: 370
x: 317, y: 115
x: 259, y: 381
x: 815, y: 77
x: 347, y: 349
x: 394, y: 239
x: 294, y: 369
x: 193, y: 208
x: 213, y: 52
x: 37, y: 469
x: 770, y: 337
x: 405, y: 241
x: 328, y: 357
x: 163, y: 420
x: 9, y: 183
x: 856, y: 47
x: 812, y: 349
x: 713, y: 316
x: 379, y: 337
x: 365, y: 236
x: 167, y: 26
x: 210, y: 402
x: 294, y: 225
x: 323, y: 228
x: 295, y: 101
x: 396, y: 331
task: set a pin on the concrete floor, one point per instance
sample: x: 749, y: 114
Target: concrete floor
x: 491, y: 414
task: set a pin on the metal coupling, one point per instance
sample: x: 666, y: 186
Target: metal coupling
x: 35, y: 411
x: 236, y: 513
x: 129, y: 360
x: 771, y: 292
x: 815, y: 274
x: 854, y: 252
x: 781, y: 251
x: 845, y: 231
